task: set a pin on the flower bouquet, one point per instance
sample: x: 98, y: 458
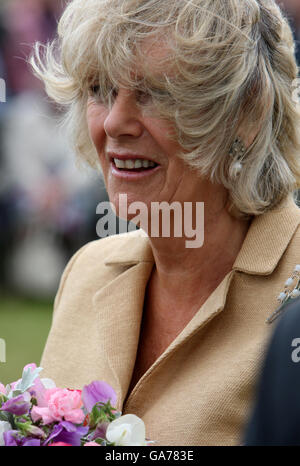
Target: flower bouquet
x: 34, y: 412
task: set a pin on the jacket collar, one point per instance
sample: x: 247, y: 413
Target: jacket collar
x: 267, y: 239
x: 138, y: 249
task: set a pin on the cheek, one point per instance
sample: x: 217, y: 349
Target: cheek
x: 164, y: 132
x: 95, y: 116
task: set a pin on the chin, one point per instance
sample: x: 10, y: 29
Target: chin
x: 128, y: 205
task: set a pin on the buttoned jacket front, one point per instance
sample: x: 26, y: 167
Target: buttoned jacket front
x: 200, y: 390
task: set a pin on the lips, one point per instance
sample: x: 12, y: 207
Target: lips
x: 131, y: 166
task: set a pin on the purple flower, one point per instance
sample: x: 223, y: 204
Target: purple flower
x: 97, y: 392
x: 19, y: 405
x: 100, y: 431
x: 31, y: 442
x: 68, y: 433
x: 12, y: 438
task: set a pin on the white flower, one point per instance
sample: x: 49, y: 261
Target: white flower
x: 295, y: 293
x: 297, y: 268
x: 127, y: 430
x: 289, y: 282
x: 282, y: 296
x: 4, y: 427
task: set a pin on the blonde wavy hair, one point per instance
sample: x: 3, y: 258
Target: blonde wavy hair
x: 235, y: 69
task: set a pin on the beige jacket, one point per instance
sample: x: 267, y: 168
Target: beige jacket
x: 200, y: 390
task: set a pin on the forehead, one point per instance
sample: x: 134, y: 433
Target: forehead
x: 156, y: 48
x: 155, y: 57
x: 143, y: 62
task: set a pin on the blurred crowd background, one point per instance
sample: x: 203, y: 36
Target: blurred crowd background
x: 47, y: 204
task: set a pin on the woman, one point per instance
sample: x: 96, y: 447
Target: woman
x: 201, y: 91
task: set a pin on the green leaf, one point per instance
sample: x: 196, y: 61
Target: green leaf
x: 23, y: 427
x: 3, y: 399
x: 101, y: 441
x: 3, y: 416
x: 8, y: 417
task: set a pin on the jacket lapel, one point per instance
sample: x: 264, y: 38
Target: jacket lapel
x: 119, y: 309
x: 213, y: 306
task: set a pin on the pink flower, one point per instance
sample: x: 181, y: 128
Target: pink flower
x: 60, y: 444
x: 92, y: 444
x: 2, y: 389
x: 42, y: 413
x: 61, y: 403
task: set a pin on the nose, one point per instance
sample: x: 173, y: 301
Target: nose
x: 123, y: 117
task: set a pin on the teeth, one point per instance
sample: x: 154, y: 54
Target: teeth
x: 119, y: 163
x: 133, y: 163
x: 129, y: 164
x: 138, y: 164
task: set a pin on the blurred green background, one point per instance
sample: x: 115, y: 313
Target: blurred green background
x: 25, y: 324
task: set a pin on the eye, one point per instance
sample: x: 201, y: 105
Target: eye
x: 113, y: 93
x: 142, y: 97
x: 94, y: 90
x: 147, y: 97
x: 105, y: 96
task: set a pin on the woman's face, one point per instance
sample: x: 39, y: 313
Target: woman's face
x: 125, y: 137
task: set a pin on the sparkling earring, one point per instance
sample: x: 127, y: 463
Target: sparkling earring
x: 237, y: 152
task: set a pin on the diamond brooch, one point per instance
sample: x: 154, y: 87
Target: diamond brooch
x: 291, y: 291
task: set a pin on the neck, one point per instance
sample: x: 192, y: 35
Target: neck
x: 184, y: 275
